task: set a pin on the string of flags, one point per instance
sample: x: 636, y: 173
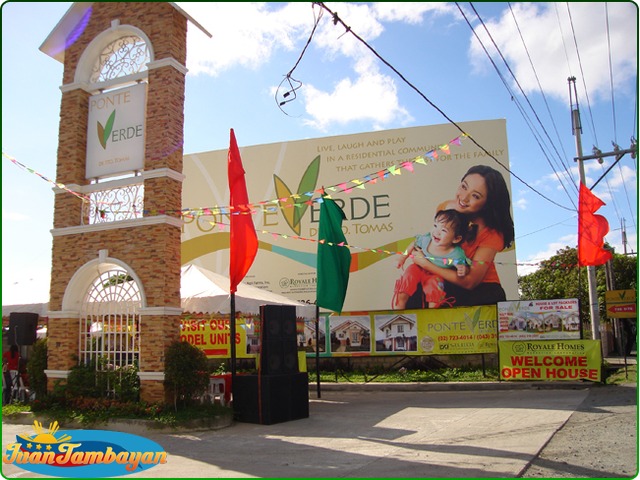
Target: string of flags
x: 294, y: 200
x: 284, y: 202
x: 445, y: 261
x: 84, y: 198
x: 297, y: 200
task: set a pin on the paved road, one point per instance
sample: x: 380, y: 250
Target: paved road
x: 600, y: 439
x: 369, y: 433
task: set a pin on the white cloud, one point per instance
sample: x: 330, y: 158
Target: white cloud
x: 521, y: 203
x: 350, y: 101
x: 548, y: 34
x: 532, y: 263
x: 243, y: 34
x: 249, y: 34
x: 410, y: 12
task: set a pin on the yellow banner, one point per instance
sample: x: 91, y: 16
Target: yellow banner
x: 211, y: 334
x: 551, y: 360
x: 468, y: 330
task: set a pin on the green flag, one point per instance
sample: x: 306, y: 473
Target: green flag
x: 334, y: 260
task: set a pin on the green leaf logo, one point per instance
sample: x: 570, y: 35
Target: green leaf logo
x: 472, y: 323
x: 293, y: 209
x: 105, y: 132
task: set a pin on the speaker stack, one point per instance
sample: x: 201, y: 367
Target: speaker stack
x: 279, y: 392
x: 23, y: 328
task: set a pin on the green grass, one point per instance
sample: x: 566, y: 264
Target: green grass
x: 408, y: 376
x: 620, y: 376
x: 91, y: 411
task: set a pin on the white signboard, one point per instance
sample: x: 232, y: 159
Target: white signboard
x: 389, y: 184
x: 116, y: 131
x: 539, y: 319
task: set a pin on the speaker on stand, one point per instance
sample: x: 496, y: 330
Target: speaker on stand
x: 23, y: 328
x: 279, y: 392
x: 278, y: 348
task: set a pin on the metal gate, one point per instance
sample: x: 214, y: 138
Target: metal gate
x: 110, y: 325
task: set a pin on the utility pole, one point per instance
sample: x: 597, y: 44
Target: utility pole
x: 591, y: 270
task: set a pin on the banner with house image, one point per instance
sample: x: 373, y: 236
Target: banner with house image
x: 468, y: 330
x: 539, y: 319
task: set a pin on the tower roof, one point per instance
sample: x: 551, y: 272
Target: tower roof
x: 54, y: 44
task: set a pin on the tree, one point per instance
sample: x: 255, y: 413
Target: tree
x: 560, y: 277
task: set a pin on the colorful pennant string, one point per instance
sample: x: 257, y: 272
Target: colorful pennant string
x: 445, y: 261
x: 84, y: 198
x: 292, y: 201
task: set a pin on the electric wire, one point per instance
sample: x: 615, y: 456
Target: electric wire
x: 544, y: 97
x: 595, y: 136
x: 560, y: 180
x: 547, y: 227
x: 613, y: 104
x: 337, y: 19
x: 613, y: 100
x: 584, y: 84
x: 564, y: 45
x: 289, y: 76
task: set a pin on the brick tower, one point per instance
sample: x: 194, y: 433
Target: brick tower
x: 115, y: 276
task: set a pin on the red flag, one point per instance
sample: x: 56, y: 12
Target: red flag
x: 243, y: 244
x: 591, y: 230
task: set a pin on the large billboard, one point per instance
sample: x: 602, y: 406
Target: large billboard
x: 390, y: 185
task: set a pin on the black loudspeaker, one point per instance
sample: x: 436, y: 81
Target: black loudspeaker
x: 279, y: 349
x: 23, y: 328
x: 268, y: 399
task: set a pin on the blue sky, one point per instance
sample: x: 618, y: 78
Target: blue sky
x: 233, y: 82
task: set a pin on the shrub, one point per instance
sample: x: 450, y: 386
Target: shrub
x: 186, y: 373
x: 36, y: 365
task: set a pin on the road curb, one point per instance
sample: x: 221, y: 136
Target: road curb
x: 446, y: 386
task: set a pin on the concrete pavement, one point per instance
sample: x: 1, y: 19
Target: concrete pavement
x: 362, y: 432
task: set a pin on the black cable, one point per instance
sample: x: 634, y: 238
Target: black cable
x: 337, y: 20
x: 519, y: 86
x: 544, y: 97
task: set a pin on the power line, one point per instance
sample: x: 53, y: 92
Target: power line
x: 337, y: 19
x: 575, y: 40
x: 544, y: 97
x: 613, y: 100
x: 546, y: 228
x: 508, y: 88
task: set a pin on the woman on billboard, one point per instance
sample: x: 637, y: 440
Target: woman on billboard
x: 483, y: 197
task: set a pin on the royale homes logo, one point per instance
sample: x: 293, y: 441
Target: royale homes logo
x: 82, y: 453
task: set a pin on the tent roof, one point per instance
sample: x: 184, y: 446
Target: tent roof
x: 41, y: 309
x: 205, y: 291
x: 201, y: 290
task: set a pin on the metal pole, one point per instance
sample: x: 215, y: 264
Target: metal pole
x: 232, y: 339
x: 591, y: 270
x: 318, y: 350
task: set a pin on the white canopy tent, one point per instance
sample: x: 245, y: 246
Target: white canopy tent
x: 204, y: 291
x: 201, y: 291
